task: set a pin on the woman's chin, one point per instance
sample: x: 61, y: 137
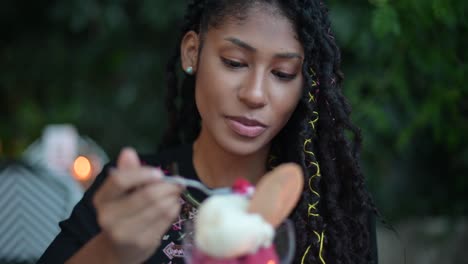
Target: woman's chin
x: 243, y: 147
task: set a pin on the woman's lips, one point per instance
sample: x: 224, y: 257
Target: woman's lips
x: 246, y: 127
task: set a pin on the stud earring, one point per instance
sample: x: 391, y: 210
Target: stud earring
x: 189, y: 70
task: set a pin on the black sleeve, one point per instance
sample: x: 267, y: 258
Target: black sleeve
x: 78, y: 229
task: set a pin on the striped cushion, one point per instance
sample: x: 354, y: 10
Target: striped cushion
x: 32, y: 202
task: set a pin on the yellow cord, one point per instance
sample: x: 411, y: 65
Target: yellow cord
x: 321, y: 248
x: 305, y: 254
x: 312, y: 209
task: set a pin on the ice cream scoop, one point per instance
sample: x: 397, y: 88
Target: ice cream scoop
x: 224, y: 228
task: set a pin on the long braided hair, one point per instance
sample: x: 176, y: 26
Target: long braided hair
x: 331, y: 218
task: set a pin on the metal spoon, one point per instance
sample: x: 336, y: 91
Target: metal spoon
x: 196, y: 184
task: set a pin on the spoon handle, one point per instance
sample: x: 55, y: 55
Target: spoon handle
x: 195, y: 184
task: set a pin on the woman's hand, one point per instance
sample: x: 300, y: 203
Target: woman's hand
x: 134, y: 209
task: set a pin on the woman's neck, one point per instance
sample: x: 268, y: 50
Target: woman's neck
x: 217, y: 167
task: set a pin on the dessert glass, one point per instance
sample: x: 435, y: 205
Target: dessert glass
x: 284, y: 244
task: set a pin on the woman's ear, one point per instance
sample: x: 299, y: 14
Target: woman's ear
x: 189, y: 52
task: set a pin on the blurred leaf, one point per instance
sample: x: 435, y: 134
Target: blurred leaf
x: 385, y: 21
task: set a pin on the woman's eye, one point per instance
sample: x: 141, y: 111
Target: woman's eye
x: 233, y: 64
x: 284, y: 76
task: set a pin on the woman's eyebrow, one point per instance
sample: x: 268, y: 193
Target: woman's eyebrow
x: 246, y: 46
x: 288, y: 55
x: 241, y: 44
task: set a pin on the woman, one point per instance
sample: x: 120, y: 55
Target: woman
x: 262, y: 87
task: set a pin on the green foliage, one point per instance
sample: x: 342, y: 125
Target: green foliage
x: 96, y: 64
x: 406, y: 66
x: 100, y: 66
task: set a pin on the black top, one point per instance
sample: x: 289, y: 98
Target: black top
x: 82, y: 225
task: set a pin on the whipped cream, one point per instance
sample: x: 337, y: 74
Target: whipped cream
x: 224, y: 228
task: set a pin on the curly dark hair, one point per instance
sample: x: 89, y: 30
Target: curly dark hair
x: 336, y: 230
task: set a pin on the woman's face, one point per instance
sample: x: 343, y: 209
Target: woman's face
x: 248, y: 80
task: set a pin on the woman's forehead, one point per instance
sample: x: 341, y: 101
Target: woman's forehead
x: 259, y: 27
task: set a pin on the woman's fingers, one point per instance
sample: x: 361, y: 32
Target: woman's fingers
x: 121, y: 182
x: 154, y: 219
x: 135, y: 206
x: 142, y: 231
x: 128, y: 159
x: 162, y: 223
x: 143, y: 198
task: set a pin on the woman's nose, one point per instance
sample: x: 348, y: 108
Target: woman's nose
x: 253, y: 91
